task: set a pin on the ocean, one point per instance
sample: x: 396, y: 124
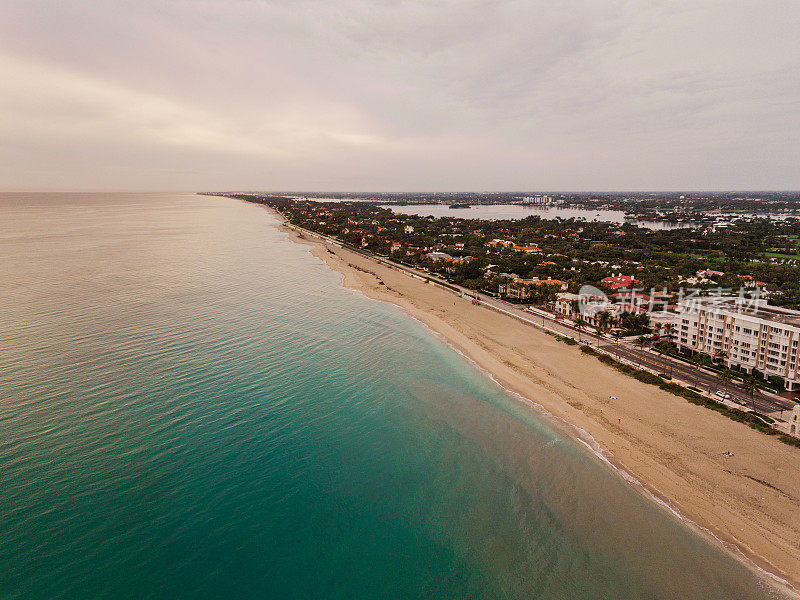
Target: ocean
x: 191, y: 406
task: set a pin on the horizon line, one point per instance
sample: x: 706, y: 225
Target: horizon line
x: 422, y: 191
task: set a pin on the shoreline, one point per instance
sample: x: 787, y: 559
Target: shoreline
x: 749, y: 507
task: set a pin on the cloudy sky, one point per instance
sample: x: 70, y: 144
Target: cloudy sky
x: 399, y: 95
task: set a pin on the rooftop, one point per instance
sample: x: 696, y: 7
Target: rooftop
x: 744, y: 306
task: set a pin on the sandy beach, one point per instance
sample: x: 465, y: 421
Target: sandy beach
x: 750, y: 502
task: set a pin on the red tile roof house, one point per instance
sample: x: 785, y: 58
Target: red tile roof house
x: 616, y: 282
x: 562, y: 285
x: 709, y: 273
x: 563, y: 306
x: 628, y: 308
x: 519, y: 288
x: 638, y: 299
x: 591, y: 314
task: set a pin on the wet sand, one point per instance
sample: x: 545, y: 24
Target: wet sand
x: 750, y: 502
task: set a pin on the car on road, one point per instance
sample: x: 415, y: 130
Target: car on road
x: 724, y: 395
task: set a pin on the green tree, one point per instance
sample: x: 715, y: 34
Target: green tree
x: 642, y: 342
x: 750, y: 385
x: 580, y: 324
x: 700, y: 360
x: 723, y: 379
x: 603, y: 320
x: 719, y: 356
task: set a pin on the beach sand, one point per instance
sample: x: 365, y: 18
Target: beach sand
x: 750, y: 501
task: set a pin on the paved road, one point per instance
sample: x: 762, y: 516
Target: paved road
x: 699, y: 378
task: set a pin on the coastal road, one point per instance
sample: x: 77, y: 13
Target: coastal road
x: 702, y: 379
x: 699, y: 378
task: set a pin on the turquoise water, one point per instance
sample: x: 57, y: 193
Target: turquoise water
x: 192, y: 407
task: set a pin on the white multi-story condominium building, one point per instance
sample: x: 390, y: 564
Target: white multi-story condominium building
x: 745, y: 333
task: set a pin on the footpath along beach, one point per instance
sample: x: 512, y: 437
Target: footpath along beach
x: 749, y: 501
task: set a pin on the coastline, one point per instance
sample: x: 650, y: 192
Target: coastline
x: 667, y: 448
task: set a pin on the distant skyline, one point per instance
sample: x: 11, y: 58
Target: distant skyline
x: 581, y: 95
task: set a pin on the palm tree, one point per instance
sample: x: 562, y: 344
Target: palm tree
x: 750, y: 385
x: 723, y: 378
x: 701, y: 360
x: 669, y: 329
x: 719, y: 356
x: 641, y: 341
x: 669, y: 352
x: 616, y: 335
x: 602, y: 320
x: 579, y: 325
x: 576, y: 307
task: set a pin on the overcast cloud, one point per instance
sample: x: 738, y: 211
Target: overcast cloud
x: 402, y: 95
